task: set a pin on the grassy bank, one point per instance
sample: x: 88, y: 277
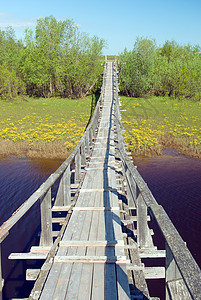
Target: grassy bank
x: 157, y: 122
x: 42, y: 127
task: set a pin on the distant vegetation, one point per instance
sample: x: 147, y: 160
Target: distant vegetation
x: 54, y: 60
x: 57, y: 60
x: 171, y: 70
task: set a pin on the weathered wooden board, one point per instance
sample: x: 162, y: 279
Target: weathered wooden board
x: 90, y: 262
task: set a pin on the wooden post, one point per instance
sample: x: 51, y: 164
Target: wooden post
x: 59, y: 201
x: 46, y: 219
x: 142, y: 227
x: 87, y: 143
x: 63, y: 195
x: 90, y: 136
x: 83, y: 154
x: 77, y: 166
x: 128, y: 189
x: 1, y: 280
x: 133, y: 190
x: 67, y: 182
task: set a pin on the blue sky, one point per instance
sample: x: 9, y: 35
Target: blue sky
x: 118, y: 22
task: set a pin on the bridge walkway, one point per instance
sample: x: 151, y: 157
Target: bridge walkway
x: 90, y: 262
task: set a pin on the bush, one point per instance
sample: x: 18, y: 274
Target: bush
x: 172, y: 70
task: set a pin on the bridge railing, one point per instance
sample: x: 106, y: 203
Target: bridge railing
x: 63, y: 177
x: 182, y: 274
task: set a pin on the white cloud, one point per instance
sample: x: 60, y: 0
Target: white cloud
x: 17, y: 23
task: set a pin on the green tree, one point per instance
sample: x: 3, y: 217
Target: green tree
x: 137, y: 67
x: 177, y: 71
x: 59, y: 59
x: 10, y: 84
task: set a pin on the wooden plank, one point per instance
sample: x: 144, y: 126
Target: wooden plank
x: 95, y: 208
x: 177, y: 290
x: 152, y: 253
x: 154, y: 272
x: 97, y: 243
x: 29, y: 255
x: 58, y: 220
x: 140, y: 282
x: 110, y: 289
x: 59, y: 277
x: 84, y: 290
x: 61, y: 208
x: 32, y: 274
x: 122, y: 282
x: 41, y: 249
x: 99, y: 269
x: 98, y: 190
x: 133, y: 219
x: 87, y: 269
x: 74, y: 283
x: 91, y: 259
x: 48, y: 266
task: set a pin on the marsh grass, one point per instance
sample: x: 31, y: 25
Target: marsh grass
x: 48, y: 128
x: 157, y: 122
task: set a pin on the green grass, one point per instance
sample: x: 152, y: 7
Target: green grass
x: 157, y: 122
x: 55, y: 124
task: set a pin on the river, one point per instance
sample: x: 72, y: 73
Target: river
x: 174, y: 180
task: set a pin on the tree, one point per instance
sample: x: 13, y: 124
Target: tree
x: 59, y: 59
x: 10, y: 84
x: 137, y: 68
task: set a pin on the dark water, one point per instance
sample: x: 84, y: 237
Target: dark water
x: 19, y: 178
x: 173, y: 179
x: 175, y: 182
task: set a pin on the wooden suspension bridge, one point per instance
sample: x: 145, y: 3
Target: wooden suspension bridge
x: 105, y: 234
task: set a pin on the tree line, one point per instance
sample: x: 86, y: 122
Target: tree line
x: 55, y: 59
x: 171, y: 70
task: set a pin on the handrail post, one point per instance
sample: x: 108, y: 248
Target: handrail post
x: 131, y: 201
x: 87, y: 143
x: 90, y: 136
x: 83, y: 154
x: 63, y: 194
x: 66, y: 186
x: 46, y: 219
x: 77, y: 166
x: 142, y: 227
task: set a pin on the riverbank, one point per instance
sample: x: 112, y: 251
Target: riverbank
x: 48, y: 128
x: 51, y: 128
x: 155, y: 123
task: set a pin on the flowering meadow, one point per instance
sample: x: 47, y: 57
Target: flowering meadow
x: 50, y: 123
x: 157, y: 122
